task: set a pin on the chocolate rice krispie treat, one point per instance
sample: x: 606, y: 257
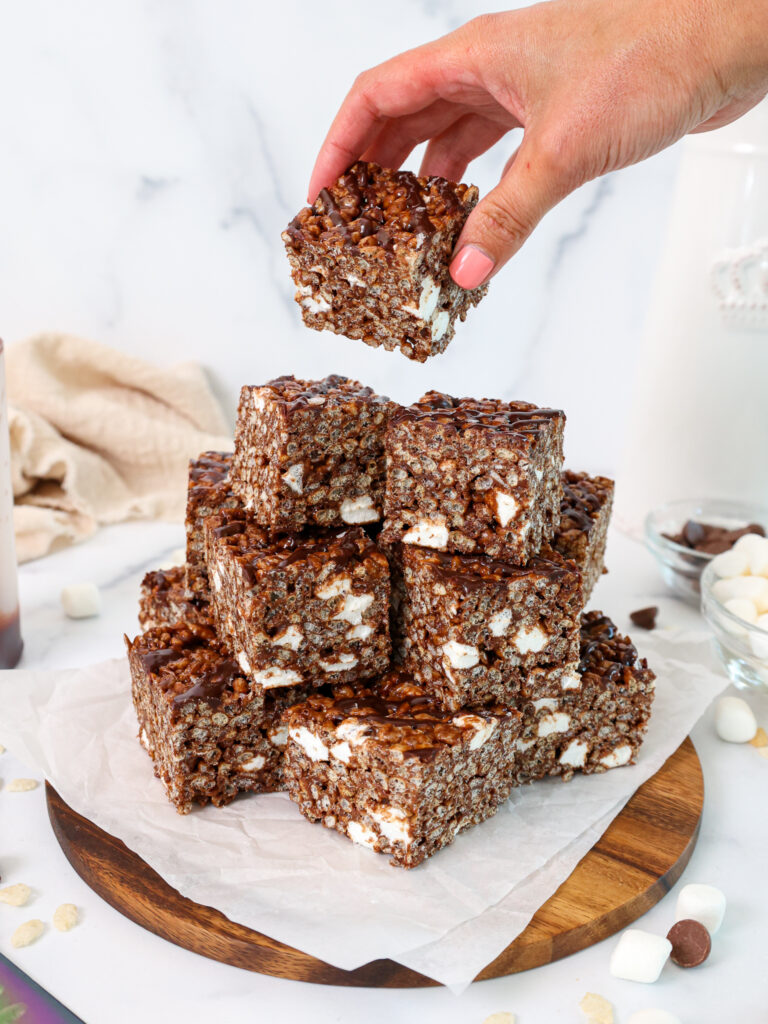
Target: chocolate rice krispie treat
x: 311, y: 452
x: 600, y: 720
x: 479, y: 631
x: 585, y: 511
x: 208, y: 492
x: 370, y: 259
x: 208, y: 733
x: 163, y: 601
x: 474, y: 476
x: 393, y: 771
x: 297, y: 609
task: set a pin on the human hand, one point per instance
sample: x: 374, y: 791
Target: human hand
x: 595, y: 84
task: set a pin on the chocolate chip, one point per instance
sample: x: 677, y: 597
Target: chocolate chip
x: 645, y: 618
x: 716, y: 546
x: 691, y: 943
x: 693, y: 533
x: 709, y: 539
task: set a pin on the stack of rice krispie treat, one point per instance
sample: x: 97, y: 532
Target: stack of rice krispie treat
x: 501, y: 678
x: 283, y: 591
x: 382, y: 610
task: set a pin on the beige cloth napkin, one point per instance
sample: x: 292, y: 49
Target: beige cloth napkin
x: 99, y: 436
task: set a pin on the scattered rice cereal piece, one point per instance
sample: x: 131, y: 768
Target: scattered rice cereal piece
x: 2, y: 749
x: 763, y: 752
x: 65, y: 917
x: 760, y: 739
x: 500, y: 1018
x: 27, y: 933
x: 15, y: 895
x: 22, y: 785
x: 596, y: 1009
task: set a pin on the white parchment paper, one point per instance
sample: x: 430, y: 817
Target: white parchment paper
x: 260, y: 863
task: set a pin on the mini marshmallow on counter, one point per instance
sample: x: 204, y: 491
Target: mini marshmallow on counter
x: 653, y: 1017
x: 734, y: 720
x: 640, y: 956
x: 702, y: 903
x: 81, y: 600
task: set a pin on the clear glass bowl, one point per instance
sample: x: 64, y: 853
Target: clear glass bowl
x: 681, y: 567
x: 743, y: 648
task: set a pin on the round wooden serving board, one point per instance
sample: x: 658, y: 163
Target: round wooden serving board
x: 636, y: 861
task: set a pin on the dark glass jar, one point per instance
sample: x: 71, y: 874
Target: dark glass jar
x: 10, y: 630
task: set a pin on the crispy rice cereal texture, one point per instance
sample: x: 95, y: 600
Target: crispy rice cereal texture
x: 395, y: 772
x: 386, y: 765
x: 585, y: 512
x: 474, y: 476
x: 210, y: 737
x: 164, y: 601
x: 208, y: 492
x: 370, y: 259
x: 477, y: 631
x: 311, y: 452
x: 299, y: 609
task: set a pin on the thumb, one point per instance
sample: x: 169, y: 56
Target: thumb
x: 531, y: 185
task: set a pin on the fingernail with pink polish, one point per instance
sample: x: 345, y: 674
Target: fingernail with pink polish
x: 471, y: 267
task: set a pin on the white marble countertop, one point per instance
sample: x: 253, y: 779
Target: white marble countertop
x: 110, y: 971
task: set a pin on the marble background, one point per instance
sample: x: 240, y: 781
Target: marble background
x: 153, y: 151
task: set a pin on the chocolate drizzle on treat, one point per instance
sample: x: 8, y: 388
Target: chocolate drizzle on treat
x: 471, y: 572
x: 154, y: 660
x: 384, y: 206
x: 188, y: 663
x: 604, y: 651
x: 259, y: 551
x: 210, y: 686
x: 460, y: 413
x: 580, y: 503
x: 398, y: 710
x: 334, y: 390
x: 210, y: 469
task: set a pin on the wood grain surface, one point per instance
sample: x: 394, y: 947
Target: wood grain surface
x: 636, y: 861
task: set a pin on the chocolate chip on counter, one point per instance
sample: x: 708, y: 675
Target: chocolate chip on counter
x: 645, y: 618
x: 691, y: 943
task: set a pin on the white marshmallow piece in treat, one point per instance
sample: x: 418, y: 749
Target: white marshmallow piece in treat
x: 429, y: 533
x: 640, y: 956
x: 702, y: 903
x: 81, y: 600
x: 734, y: 720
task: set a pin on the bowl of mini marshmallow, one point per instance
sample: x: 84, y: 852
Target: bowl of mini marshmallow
x: 734, y: 601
